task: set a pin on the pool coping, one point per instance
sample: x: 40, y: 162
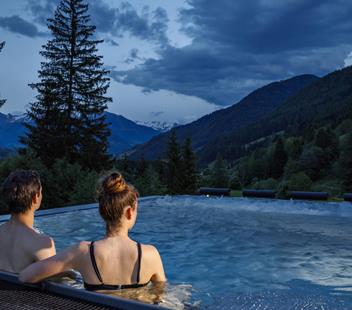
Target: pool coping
x: 75, y: 208
x: 91, y: 297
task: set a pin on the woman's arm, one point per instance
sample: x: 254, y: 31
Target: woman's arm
x: 54, y: 265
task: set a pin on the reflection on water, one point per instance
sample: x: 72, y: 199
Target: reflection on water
x: 163, y: 294
x: 169, y: 296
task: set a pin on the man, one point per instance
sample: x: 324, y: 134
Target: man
x: 20, y: 243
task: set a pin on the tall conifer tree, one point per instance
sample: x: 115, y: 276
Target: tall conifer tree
x: 279, y: 159
x: 189, y: 169
x: 174, y: 165
x: 219, y: 176
x: 68, y: 118
x: 345, y: 162
x: 2, y: 101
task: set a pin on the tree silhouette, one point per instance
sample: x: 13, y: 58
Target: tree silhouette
x: 2, y: 101
x: 188, y: 168
x: 174, y: 165
x: 68, y: 118
x: 279, y: 159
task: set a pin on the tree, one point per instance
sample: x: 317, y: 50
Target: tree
x: 327, y: 140
x: 68, y: 119
x: 299, y: 182
x: 2, y: 101
x: 188, y: 168
x: 294, y: 147
x: 141, y: 166
x: 174, y: 165
x: 219, y: 176
x: 322, y: 138
x: 149, y: 183
x: 279, y: 159
x: 345, y: 162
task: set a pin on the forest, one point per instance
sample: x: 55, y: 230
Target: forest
x: 303, y: 144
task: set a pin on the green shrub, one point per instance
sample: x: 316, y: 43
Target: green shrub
x: 299, y: 182
x: 266, y: 184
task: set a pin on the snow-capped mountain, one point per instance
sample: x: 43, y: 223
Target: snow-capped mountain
x: 158, y: 125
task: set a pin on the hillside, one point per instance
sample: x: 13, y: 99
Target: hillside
x: 124, y: 133
x: 327, y: 101
x: 250, y: 109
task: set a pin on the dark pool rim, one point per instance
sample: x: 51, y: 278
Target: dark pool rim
x: 68, y: 292
x: 60, y: 210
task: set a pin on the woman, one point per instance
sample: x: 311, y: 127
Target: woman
x: 116, y: 261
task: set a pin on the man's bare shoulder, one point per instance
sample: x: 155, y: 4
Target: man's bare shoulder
x: 43, y: 241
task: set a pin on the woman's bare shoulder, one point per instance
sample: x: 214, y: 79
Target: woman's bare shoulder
x: 150, y: 251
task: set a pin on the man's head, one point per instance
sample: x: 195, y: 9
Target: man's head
x: 22, y: 191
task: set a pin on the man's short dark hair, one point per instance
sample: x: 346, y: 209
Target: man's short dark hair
x: 18, y: 190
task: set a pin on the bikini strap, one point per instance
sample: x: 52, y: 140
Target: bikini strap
x: 94, y: 263
x: 139, y: 261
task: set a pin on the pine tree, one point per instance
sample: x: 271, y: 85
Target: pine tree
x: 345, y: 162
x: 142, y: 166
x: 188, y: 169
x: 68, y: 118
x: 219, y: 176
x: 2, y: 101
x: 279, y: 159
x: 174, y: 165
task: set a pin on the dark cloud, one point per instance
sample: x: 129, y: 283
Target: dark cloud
x: 156, y: 114
x: 18, y: 25
x: 133, y: 56
x: 111, y: 42
x: 240, y: 45
x: 150, y: 25
x: 42, y: 9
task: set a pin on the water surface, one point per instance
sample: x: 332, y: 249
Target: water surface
x: 235, y: 252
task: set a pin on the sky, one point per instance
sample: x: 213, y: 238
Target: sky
x: 177, y: 60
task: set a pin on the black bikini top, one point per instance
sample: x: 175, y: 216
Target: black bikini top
x: 103, y: 286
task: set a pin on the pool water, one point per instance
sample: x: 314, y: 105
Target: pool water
x: 237, y: 253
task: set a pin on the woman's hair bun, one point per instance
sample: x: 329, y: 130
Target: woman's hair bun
x: 114, y: 183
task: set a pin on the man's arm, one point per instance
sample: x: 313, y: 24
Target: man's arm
x: 51, y: 266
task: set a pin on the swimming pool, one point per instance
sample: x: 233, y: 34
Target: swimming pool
x: 222, y: 253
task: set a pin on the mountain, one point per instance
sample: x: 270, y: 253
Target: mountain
x: 159, y: 125
x: 10, y: 129
x: 328, y: 101
x: 249, y: 110
x: 124, y: 133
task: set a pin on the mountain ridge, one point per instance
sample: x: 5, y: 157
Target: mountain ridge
x: 327, y: 101
x: 124, y: 132
x: 248, y: 110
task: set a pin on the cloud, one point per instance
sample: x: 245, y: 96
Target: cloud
x: 111, y: 42
x: 156, y: 114
x: 240, y: 45
x: 17, y: 24
x: 42, y: 9
x: 150, y: 25
x: 133, y: 56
